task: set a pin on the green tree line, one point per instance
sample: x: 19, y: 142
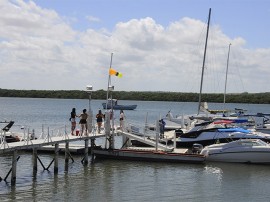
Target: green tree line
x: 255, y: 98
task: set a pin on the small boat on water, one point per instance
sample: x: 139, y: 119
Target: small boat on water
x: 6, y: 134
x: 239, y: 151
x: 148, y: 155
x: 113, y: 103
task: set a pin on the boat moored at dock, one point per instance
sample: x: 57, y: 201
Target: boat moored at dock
x: 240, y: 151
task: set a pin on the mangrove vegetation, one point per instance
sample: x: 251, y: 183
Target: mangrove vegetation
x: 255, y: 98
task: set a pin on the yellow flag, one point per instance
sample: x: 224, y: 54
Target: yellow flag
x: 114, y: 72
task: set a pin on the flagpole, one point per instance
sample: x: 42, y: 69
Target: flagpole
x: 107, y: 115
x: 109, y: 83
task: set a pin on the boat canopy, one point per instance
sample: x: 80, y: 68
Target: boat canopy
x: 228, y: 121
x: 233, y: 130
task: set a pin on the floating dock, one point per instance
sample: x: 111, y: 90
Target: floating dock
x: 155, y: 152
x: 149, y: 155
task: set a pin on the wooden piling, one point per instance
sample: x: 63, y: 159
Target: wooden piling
x: 92, y: 150
x: 56, y: 154
x: 14, y: 168
x: 86, y: 152
x: 35, y: 160
x: 66, y: 156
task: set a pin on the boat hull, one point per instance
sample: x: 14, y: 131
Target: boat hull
x: 257, y: 157
x: 206, y: 138
x: 149, y: 156
x: 189, y: 144
x: 240, y: 151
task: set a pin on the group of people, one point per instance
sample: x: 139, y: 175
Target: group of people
x: 99, y: 118
x: 83, y: 121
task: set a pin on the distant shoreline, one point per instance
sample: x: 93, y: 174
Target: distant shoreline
x: 251, y: 98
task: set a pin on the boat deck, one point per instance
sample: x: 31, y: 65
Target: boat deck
x: 176, y: 150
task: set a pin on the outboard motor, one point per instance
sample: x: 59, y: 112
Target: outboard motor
x: 196, y: 148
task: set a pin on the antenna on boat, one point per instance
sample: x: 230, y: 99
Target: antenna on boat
x: 204, y: 56
x: 228, y: 58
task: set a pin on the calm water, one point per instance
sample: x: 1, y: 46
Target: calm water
x: 111, y: 180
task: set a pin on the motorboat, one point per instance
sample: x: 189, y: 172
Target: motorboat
x: 239, y: 151
x: 113, y: 103
x: 6, y: 135
x: 262, y: 122
x: 208, y: 133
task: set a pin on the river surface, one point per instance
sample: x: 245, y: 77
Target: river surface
x: 110, y: 180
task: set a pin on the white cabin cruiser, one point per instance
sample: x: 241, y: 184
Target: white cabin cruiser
x: 213, y: 132
x: 239, y: 151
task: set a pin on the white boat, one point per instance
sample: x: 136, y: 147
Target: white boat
x: 239, y: 151
x: 6, y: 135
x: 261, y: 122
x: 9, y: 132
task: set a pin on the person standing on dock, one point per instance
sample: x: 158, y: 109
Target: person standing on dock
x: 100, y: 118
x: 83, y: 116
x: 162, y: 127
x: 73, y: 120
x: 121, y: 119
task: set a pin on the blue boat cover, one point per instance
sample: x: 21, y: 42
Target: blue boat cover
x: 233, y: 130
x: 240, y: 120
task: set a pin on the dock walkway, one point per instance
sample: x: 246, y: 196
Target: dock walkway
x: 39, y: 143
x: 43, y: 142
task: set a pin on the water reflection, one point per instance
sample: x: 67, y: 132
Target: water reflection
x: 215, y: 171
x: 243, y: 178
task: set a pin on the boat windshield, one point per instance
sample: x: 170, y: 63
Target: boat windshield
x: 212, y: 125
x: 253, y: 143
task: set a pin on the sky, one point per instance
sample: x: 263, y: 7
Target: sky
x: 158, y: 45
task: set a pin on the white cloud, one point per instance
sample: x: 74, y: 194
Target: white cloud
x: 92, y: 19
x: 39, y: 50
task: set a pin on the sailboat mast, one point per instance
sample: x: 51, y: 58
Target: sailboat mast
x: 228, y: 58
x: 204, y: 56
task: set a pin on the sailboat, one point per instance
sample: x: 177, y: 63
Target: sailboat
x: 201, y: 106
x: 204, y: 56
x: 207, y: 132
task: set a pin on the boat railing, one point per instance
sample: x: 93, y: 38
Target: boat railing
x: 140, y: 129
x: 49, y: 131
